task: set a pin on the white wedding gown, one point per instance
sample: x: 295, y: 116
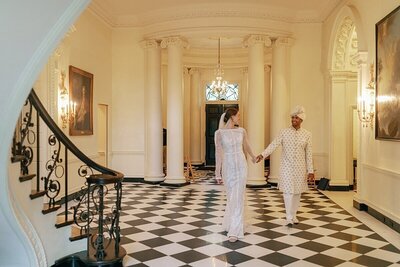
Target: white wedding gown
x: 230, y: 145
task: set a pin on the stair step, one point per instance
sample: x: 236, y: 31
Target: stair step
x: 47, y: 209
x: 17, y: 158
x: 77, y: 234
x: 61, y: 222
x: 35, y: 194
x: 26, y: 177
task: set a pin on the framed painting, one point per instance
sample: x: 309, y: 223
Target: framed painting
x: 81, y: 102
x: 387, y: 30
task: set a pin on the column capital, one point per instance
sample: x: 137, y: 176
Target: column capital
x: 257, y: 39
x: 186, y: 70
x: 267, y: 68
x: 150, y: 44
x: 194, y: 70
x: 245, y: 70
x: 174, y: 41
x: 283, y: 41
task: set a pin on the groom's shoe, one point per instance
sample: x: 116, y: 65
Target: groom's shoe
x: 289, y: 223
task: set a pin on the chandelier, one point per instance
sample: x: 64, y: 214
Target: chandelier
x: 219, y: 86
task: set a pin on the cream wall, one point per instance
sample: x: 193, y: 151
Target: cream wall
x: 378, y: 171
x: 88, y: 47
x: 307, y: 88
x: 128, y: 102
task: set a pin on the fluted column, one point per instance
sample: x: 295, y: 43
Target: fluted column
x: 186, y: 113
x: 195, y: 117
x: 153, y: 113
x: 279, y: 98
x: 243, y: 96
x: 267, y: 103
x: 175, y: 137
x: 255, y: 110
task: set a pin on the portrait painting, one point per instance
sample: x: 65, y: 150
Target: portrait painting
x: 387, y: 31
x: 81, y: 102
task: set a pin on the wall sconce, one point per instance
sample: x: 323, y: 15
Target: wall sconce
x: 67, y: 108
x: 366, y: 103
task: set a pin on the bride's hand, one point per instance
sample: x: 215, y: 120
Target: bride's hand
x: 219, y: 180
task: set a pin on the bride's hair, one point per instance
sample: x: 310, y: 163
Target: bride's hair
x: 229, y: 113
x: 226, y: 116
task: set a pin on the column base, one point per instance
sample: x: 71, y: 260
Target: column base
x: 257, y: 183
x: 177, y: 181
x: 197, y: 162
x: 154, y: 178
x: 273, y: 179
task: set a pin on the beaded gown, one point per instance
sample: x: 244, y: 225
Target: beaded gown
x: 231, y: 146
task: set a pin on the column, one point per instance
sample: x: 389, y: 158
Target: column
x: 280, y: 110
x: 243, y: 96
x: 255, y: 108
x: 195, y: 117
x: 175, y: 137
x: 267, y: 104
x: 186, y: 113
x: 153, y: 113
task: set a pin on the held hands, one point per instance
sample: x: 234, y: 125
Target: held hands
x: 258, y: 158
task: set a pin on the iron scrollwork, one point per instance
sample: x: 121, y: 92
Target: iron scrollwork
x: 55, y: 169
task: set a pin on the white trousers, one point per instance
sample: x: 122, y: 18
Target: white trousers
x: 292, y: 203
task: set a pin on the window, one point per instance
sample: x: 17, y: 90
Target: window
x: 231, y: 94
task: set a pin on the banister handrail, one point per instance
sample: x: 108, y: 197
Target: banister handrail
x: 42, y: 112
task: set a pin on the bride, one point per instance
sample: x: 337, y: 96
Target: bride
x: 231, y: 145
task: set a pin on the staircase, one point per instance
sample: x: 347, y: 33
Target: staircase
x: 74, y: 226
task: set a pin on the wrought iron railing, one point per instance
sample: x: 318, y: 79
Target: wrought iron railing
x: 89, y: 216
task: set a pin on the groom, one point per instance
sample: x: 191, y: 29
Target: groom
x: 296, y: 162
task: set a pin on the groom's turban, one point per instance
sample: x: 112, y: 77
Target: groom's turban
x: 299, y: 111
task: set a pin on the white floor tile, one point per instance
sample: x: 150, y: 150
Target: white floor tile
x: 341, y: 254
x: 164, y: 261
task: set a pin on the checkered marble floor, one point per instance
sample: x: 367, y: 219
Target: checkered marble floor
x: 163, y: 226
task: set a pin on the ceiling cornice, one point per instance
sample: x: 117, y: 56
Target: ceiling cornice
x: 212, y: 11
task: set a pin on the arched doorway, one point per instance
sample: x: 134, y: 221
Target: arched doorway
x: 346, y: 63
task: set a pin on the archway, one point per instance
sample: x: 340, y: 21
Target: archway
x: 345, y: 62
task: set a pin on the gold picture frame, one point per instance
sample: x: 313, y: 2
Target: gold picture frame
x: 387, y: 39
x: 81, y: 102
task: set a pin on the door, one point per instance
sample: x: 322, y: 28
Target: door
x: 213, y: 113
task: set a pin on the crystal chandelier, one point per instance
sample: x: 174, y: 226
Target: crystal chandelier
x: 219, y: 86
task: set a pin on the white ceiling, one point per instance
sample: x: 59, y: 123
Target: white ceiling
x: 202, y: 21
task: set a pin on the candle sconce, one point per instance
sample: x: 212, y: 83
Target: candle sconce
x: 67, y: 109
x: 366, y: 103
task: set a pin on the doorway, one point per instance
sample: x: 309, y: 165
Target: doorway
x: 102, y: 140
x: 213, y: 113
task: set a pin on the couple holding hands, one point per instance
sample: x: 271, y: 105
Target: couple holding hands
x: 231, y: 145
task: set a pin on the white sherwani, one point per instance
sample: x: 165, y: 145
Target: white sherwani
x: 296, y: 160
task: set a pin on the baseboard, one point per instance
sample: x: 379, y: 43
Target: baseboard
x: 133, y: 180
x: 338, y: 188
x: 377, y: 215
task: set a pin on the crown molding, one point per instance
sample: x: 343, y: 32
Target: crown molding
x: 216, y: 10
